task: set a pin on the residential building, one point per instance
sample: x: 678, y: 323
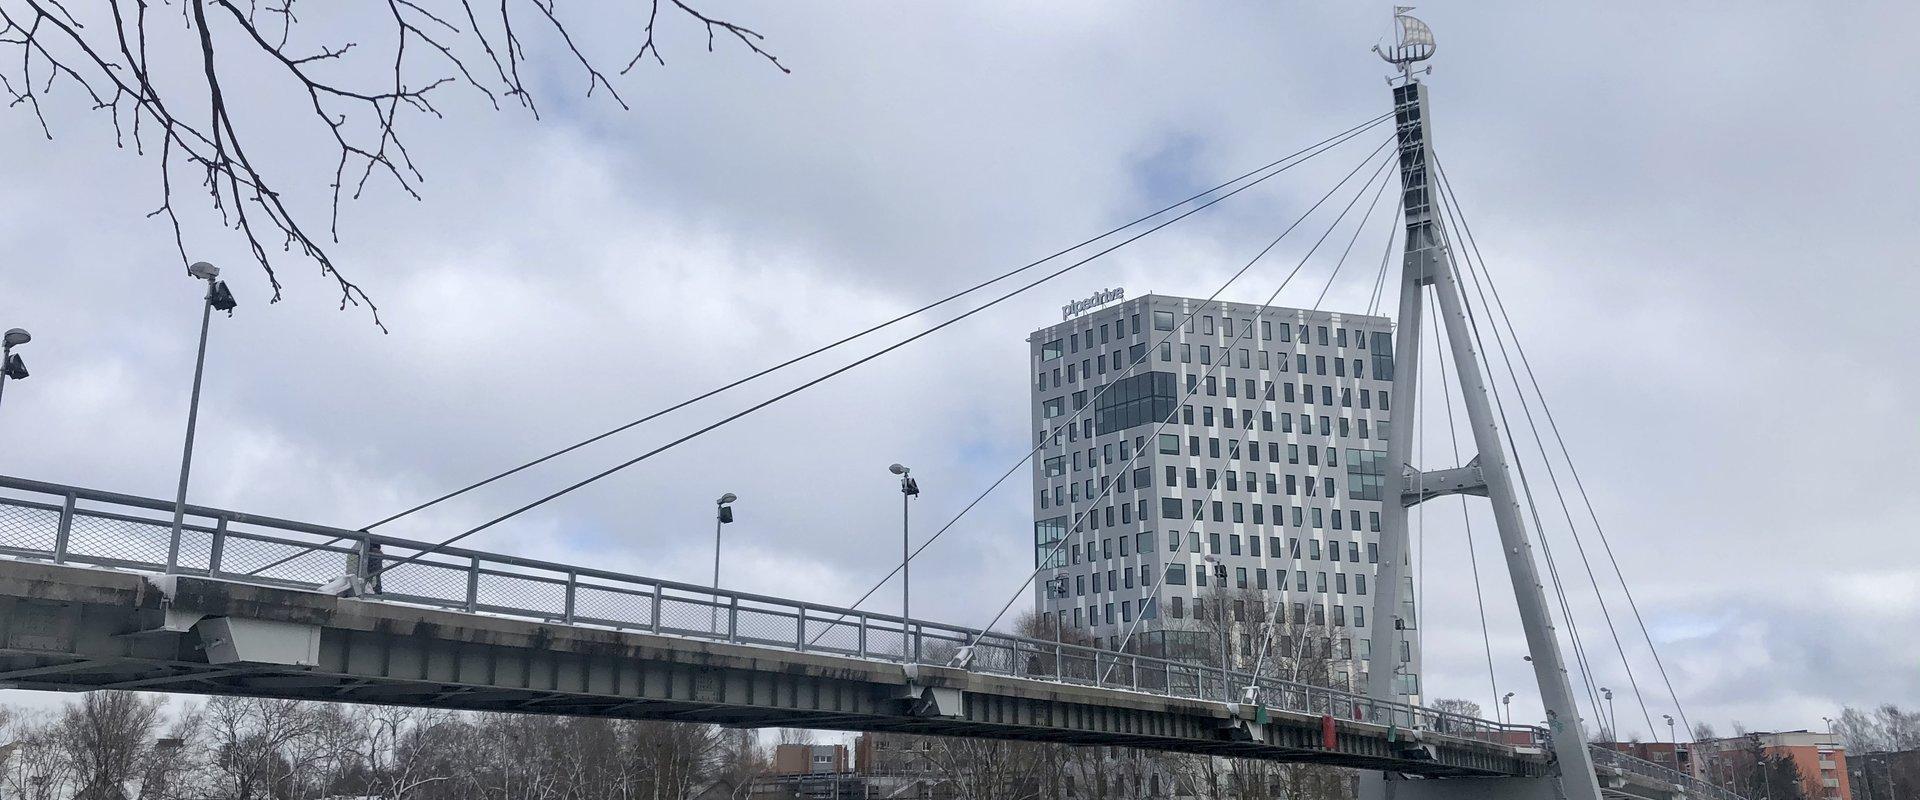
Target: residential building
x: 809, y: 759
x: 1890, y: 775
x: 1208, y: 466
x: 1819, y: 757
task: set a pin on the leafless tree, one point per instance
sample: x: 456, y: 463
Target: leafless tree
x: 105, y: 736
x: 39, y: 767
x: 204, y: 85
x: 265, y: 748
x: 989, y: 768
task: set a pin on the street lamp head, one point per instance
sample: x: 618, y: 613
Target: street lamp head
x: 728, y: 498
x: 1606, y: 692
x: 17, y: 336
x: 221, y: 298
x: 1508, y: 699
x: 898, y: 469
x: 203, y: 270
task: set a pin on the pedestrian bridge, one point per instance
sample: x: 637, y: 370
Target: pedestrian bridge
x: 98, y: 593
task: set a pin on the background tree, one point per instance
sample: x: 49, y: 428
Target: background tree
x: 203, y: 86
x: 105, y: 737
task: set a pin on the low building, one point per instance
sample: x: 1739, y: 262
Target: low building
x: 1890, y: 775
x: 1819, y: 757
x: 810, y: 759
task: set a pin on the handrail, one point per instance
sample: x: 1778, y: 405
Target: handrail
x: 794, y: 625
x: 1695, y: 787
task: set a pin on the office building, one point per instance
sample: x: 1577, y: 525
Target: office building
x: 1205, y: 466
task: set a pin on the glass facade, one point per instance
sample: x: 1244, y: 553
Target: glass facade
x: 1149, y: 397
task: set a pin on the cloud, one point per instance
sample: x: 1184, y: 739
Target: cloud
x: 1699, y: 221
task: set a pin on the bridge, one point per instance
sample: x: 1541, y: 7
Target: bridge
x: 98, y: 592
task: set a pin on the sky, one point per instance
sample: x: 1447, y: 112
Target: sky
x: 1699, y: 215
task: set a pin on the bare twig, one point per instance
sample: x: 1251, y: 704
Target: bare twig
x: 106, y: 61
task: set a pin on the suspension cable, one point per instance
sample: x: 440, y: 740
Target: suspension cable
x: 1380, y: 280
x: 1466, y: 518
x: 1385, y: 178
x: 1092, y: 402
x: 1483, y: 276
x: 1211, y: 368
x: 1303, y: 155
x: 823, y: 378
x: 1554, y: 482
x: 1272, y: 619
x: 1526, y: 490
x: 1308, y: 152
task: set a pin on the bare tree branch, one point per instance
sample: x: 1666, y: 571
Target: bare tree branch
x: 427, y: 47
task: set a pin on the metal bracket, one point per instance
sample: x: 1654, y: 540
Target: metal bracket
x: 1424, y: 486
x: 173, y: 620
x: 930, y: 701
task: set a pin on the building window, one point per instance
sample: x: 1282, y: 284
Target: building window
x: 1177, y: 575
x: 1050, y: 350
x: 1163, y: 320
x: 1047, y: 534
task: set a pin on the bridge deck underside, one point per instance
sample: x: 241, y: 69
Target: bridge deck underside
x: 71, y: 629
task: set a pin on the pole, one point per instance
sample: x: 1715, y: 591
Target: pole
x: 906, y: 556
x: 713, y: 614
x: 193, y: 413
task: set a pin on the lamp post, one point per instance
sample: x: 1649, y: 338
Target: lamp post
x: 10, y: 365
x: 722, y: 515
x: 1508, y: 702
x: 217, y: 298
x: 1671, y: 738
x: 1607, y: 720
x: 909, y: 489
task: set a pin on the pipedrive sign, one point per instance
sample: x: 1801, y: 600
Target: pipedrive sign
x: 1093, y: 301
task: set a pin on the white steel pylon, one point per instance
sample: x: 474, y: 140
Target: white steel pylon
x: 1428, y: 262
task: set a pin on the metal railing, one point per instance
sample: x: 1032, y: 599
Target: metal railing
x: 1604, y: 756
x: 72, y: 525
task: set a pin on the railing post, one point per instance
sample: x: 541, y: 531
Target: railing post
x: 733, y: 619
x: 573, y: 585
x: 800, y: 632
x: 473, y: 584
x: 65, y: 531
x: 218, y: 549
x: 863, y: 636
x: 655, y: 624
x: 359, y: 563
x: 1135, y: 667
x: 173, y: 549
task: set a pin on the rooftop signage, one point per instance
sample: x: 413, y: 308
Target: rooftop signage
x: 1093, y: 301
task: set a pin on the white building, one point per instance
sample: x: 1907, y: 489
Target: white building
x: 1266, y: 477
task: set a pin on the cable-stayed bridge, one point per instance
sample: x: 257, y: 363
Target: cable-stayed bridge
x: 102, y: 594
x: 104, y: 591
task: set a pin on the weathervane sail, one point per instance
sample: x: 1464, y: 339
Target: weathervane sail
x: 1413, y: 41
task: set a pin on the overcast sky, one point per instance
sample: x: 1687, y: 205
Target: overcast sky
x: 1701, y: 217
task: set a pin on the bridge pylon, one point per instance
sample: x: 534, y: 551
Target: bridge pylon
x: 1428, y: 261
